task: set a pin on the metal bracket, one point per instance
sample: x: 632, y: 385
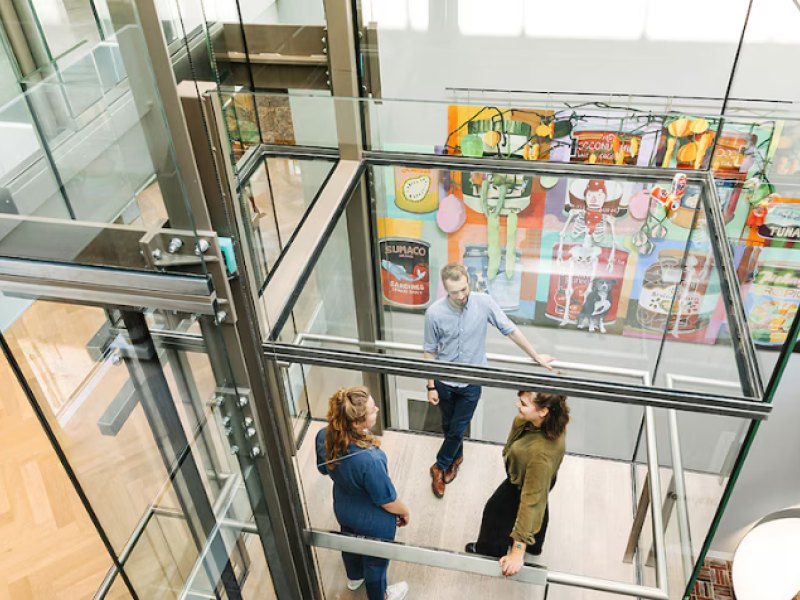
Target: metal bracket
x: 239, y: 425
x: 179, y: 250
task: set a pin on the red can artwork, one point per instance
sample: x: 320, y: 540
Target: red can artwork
x: 405, y: 272
x: 581, y: 277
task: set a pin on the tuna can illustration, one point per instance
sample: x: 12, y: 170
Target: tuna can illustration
x: 405, y: 272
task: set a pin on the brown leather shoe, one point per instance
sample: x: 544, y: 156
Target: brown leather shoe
x: 437, y: 485
x: 451, y: 472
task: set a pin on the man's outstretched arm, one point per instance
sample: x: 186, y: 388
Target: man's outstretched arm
x: 520, y: 340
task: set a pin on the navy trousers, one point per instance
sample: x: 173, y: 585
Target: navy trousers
x: 369, y: 568
x: 456, y: 405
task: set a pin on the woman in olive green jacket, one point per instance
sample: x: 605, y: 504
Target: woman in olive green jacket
x: 517, y: 512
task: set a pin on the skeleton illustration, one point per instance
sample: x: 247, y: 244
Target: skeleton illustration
x: 592, y: 224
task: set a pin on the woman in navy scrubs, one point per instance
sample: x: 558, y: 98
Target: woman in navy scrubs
x: 364, y: 499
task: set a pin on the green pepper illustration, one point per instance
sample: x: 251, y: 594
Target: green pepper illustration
x: 511, y: 243
x: 493, y: 232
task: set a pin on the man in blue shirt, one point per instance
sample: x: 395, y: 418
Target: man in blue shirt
x: 455, y: 331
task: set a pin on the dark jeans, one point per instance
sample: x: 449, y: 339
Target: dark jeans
x: 372, y: 570
x: 499, y: 516
x: 457, y: 405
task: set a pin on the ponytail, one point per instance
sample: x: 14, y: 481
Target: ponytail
x: 346, y: 408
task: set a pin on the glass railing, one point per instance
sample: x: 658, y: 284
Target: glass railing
x: 638, y: 310
x: 750, y: 153
x: 275, y: 198
x: 77, y: 147
x: 764, y: 228
x: 601, y: 510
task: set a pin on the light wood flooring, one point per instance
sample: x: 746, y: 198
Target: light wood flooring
x: 48, y: 547
x: 591, y: 515
x: 590, y: 519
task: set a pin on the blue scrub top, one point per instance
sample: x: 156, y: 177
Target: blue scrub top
x: 361, y: 485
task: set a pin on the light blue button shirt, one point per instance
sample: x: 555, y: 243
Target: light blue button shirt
x: 459, y: 336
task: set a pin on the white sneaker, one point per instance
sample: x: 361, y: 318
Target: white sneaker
x: 397, y: 591
x: 354, y: 584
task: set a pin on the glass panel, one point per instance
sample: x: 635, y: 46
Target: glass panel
x: 429, y: 581
x: 162, y: 560
x: 118, y: 591
x: 428, y: 217
x: 550, y: 127
x: 9, y: 88
x: 707, y: 446
x: 148, y: 445
x: 273, y: 201
x: 88, y: 385
x: 591, y: 512
x: 763, y: 229
x: 294, y: 119
x: 697, y: 344
x: 83, y: 143
x: 326, y: 305
x: 49, y: 541
x: 64, y: 25
x: 84, y: 121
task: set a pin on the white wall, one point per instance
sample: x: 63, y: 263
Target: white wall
x: 770, y: 477
x: 664, y: 47
x: 660, y: 47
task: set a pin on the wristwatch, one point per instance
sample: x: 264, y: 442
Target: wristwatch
x: 431, y: 388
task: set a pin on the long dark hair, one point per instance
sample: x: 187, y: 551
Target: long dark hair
x: 346, y: 408
x: 555, y: 423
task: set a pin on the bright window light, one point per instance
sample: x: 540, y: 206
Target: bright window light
x: 495, y: 18
x: 775, y: 21
x: 396, y: 14
x: 418, y: 14
x: 389, y: 14
x: 586, y: 19
x: 698, y: 21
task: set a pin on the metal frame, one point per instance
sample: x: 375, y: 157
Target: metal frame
x: 514, y: 379
x: 247, y: 351
x: 737, y: 322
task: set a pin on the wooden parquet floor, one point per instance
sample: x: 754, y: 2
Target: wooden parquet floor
x: 49, y: 549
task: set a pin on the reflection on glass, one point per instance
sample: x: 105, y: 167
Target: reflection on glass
x: 605, y: 248
x: 42, y: 514
x: 118, y: 591
x: 273, y: 201
x: 305, y: 118
x: 707, y: 446
x: 762, y: 225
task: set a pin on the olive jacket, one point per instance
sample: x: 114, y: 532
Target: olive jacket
x: 532, y: 462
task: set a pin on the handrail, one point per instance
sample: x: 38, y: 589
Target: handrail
x: 501, y: 358
x: 684, y: 531
x: 457, y: 561
x: 655, y: 501
x: 680, y: 492
x: 468, y: 563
